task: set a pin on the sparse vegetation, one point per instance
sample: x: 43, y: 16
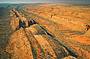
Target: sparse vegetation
x: 51, y: 31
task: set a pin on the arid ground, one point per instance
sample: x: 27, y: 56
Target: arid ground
x: 48, y: 31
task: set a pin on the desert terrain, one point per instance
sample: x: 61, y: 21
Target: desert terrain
x: 68, y: 23
x: 49, y: 31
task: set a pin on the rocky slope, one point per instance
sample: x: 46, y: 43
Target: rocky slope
x: 53, y: 32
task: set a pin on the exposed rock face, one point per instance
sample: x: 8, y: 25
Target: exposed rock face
x: 19, y: 46
x: 22, y: 45
x: 14, y: 23
x: 55, y: 36
x: 68, y: 23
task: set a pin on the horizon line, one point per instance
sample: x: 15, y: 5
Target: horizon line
x: 41, y: 2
